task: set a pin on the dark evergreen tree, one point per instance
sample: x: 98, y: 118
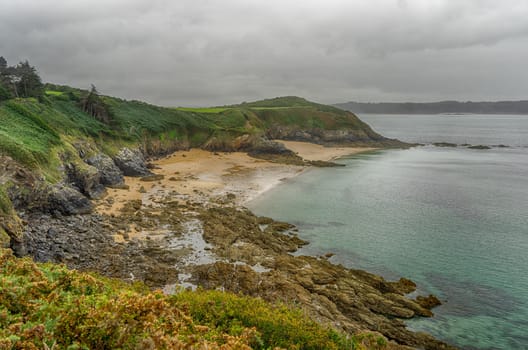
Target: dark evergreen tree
x: 3, y: 64
x: 94, y: 105
x: 5, y: 94
x: 20, y: 81
x: 29, y: 84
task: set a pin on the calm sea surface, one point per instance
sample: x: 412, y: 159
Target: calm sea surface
x: 454, y: 220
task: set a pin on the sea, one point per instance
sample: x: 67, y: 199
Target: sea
x: 452, y: 219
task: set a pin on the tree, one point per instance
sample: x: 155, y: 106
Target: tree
x: 30, y: 84
x: 3, y: 64
x: 21, y: 80
x: 94, y: 105
x: 4, y: 93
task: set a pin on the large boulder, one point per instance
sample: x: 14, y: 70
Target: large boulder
x: 131, y: 162
x: 110, y: 174
x: 64, y: 199
x: 265, y: 146
x: 86, y: 178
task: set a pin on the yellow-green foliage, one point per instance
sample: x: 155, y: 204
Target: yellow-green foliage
x: 213, y: 110
x: 46, y: 305
x: 5, y: 204
x: 278, y: 325
x: 53, y: 93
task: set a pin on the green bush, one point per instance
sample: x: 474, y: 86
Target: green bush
x: 46, y: 305
x: 278, y: 325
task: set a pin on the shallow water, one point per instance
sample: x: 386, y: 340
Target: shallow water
x: 454, y: 220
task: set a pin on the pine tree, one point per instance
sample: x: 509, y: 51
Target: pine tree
x: 30, y: 84
x: 92, y: 104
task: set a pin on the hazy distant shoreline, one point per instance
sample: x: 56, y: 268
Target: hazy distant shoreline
x: 443, y: 107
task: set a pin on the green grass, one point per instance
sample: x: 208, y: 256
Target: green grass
x: 214, y: 110
x: 53, y: 93
x: 269, y: 108
x: 24, y: 135
x: 46, y: 305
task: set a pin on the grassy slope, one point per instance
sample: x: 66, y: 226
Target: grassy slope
x: 49, y: 304
x: 36, y: 133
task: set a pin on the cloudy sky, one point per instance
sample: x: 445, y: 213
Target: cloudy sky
x: 212, y: 52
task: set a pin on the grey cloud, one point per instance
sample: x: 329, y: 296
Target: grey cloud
x: 206, y: 52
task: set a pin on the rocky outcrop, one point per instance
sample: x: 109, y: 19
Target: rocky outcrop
x: 110, y: 175
x: 131, y: 162
x: 63, y: 199
x: 332, y: 137
x: 86, y: 178
x: 86, y: 242
x: 352, y: 300
x: 245, y: 143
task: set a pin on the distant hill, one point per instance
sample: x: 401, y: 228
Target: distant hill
x: 500, y: 107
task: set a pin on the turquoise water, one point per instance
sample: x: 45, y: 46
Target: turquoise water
x: 454, y: 220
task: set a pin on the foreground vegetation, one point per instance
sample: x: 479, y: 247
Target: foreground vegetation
x: 48, y: 306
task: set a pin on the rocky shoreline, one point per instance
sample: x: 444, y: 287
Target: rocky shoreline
x: 172, y: 240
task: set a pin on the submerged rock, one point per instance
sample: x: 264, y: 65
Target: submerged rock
x: 445, y: 144
x: 428, y: 302
x: 479, y: 147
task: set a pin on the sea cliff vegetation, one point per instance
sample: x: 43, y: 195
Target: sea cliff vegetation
x: 47, y: 306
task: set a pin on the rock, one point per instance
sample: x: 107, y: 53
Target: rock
x: 428, y: 302
x: 110, y: 174
x: 404, y: 286
x: 131, y: 162
x: 445, y: 144
x: 479, y: 147
x: 86, y: 178
x: 323, y: 136
x: 64, y: 199
x: 324, y: 164
x: 154, y: 177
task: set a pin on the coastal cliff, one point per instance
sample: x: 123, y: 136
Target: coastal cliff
x: 61, y: 168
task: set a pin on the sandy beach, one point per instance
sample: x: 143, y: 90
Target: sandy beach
x: 201, y: 176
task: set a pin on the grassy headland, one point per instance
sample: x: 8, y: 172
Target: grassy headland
x: 36, y: 133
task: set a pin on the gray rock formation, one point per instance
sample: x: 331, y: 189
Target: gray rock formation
x: 86, y: 178
x: 64, y: 199
x: 110, y: 174
x: 322, y: 136
x: 131, y: 162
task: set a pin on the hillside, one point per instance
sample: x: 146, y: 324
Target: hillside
x: 35, y: 133
x: 500, y: 107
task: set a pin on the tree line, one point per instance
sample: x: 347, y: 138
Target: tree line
x: 21, y: 80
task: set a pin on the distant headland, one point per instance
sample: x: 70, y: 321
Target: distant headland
x: 499, y: 107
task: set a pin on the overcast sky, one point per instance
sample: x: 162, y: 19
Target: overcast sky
x: 212, y: 52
